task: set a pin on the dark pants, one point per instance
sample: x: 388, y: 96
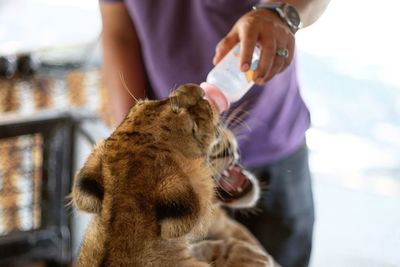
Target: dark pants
x: 284, y: 224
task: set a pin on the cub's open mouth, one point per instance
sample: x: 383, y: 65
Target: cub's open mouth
x: 233, y: 184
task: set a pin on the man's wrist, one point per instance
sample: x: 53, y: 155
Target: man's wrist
x: 287, y: 13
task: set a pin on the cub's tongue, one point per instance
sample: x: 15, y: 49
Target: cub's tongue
x: 233, y: 185
x: 234, y: 181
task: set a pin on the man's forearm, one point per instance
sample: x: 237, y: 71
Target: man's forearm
x: 124, y: 75
x: 123, y: 69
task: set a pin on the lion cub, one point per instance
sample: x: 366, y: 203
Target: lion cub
x: 150, y: 186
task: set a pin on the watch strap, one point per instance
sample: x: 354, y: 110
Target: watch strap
x: 279, y: 8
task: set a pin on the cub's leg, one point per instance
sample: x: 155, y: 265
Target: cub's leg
x: 224, y: 228
x: 231, y: 253
x: 230, y: 244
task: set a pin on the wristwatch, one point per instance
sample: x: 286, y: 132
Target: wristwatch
x: 286, y: 12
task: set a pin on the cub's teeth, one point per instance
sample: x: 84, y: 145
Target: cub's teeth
x: 226, y: 173
x: 240, y: 189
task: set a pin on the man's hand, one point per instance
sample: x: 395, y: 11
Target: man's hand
x: 266, y: 29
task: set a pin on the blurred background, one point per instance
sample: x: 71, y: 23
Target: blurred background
x: 51, y: 94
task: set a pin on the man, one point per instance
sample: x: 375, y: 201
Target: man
x: 152, y: 46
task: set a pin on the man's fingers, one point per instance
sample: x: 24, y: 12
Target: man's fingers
x: 266, y: 62
x: 279, y: 65
x: 225, y: 45
x: 290, y: 46
x: 281, y: 62
x: 248, y: 41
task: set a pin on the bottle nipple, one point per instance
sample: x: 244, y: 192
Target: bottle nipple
x: 215, y: 96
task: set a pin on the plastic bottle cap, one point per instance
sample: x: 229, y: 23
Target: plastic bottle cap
x: 215, y: 96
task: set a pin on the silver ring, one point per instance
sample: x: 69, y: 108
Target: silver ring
x: 282, y: 52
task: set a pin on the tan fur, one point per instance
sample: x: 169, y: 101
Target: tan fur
x: 228, y: 243
x: 150, y: 188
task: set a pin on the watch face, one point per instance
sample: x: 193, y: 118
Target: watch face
x: 292, y: 17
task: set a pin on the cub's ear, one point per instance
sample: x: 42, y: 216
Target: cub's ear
x: 88, y: 188
x: 177, y: 208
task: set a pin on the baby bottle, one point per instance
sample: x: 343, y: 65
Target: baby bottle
x: 226, y: 83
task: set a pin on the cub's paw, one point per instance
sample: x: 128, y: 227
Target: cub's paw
x: 242, y: 254
x: 232, y: 253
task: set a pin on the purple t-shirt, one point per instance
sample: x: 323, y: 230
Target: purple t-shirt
x: 178, y: 39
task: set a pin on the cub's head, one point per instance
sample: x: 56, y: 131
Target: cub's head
x: 153, y: 172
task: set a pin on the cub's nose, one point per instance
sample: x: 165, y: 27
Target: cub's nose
x: 189, y: 94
